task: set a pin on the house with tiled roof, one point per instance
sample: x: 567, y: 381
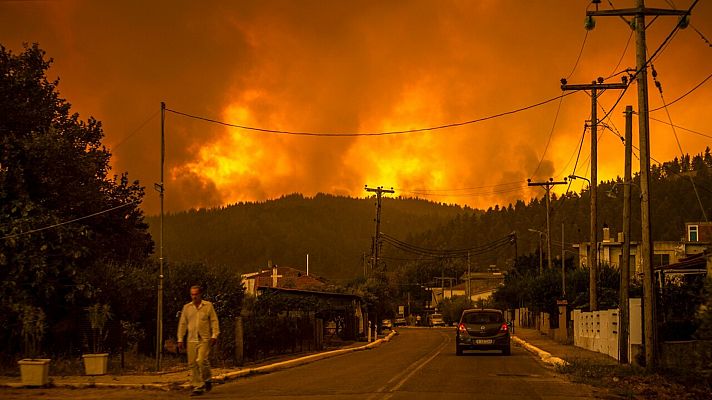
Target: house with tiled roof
x: 281, y: 277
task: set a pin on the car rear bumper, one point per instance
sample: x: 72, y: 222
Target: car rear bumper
x: 486, y: 343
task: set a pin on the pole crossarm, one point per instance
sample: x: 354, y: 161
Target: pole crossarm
x: 589, y: 86
x: 549, y: 184
x: 632, y: 12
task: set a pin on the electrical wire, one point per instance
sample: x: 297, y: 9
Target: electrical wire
x: 70, y: 221
x: 435, y: 254
x: 660, y: 48
x: 386, y: 133
x: 702, y: 36
x: 671, y: 4
x: 135, y: 131
x: 551, y: 134
x: 677, y: 139
x: 583, y: 135
x: 625, y: 50
x: 579, y: 55
x: 681, y: 127
x: 684, y: 95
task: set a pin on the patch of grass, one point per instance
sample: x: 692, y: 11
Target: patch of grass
x: 629, y: 381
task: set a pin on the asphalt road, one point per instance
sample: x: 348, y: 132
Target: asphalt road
x: 417, y: 364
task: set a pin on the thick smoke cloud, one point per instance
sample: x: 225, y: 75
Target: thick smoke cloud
x: 363, y: 66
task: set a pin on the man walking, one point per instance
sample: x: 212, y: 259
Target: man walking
x: 198, y: 318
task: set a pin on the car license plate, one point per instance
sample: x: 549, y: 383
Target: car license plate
x: 484, y: 341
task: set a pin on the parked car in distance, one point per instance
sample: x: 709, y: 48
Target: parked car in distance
x: 386, y: 324
x: 399, y: 321
x: 437, y: 320
x: 482, y: 329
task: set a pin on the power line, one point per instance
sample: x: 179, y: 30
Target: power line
x: 583, y: 135
x: 436, y: 254
x: 677, y: 139
x: 684, y: 95
x: 625, y: 50
x: 551, y: 134
x: 650, y: 59
x: 579, y: 55
x: 135, y: 131
x: 681, y: 127
x: 352, y: 134
x: 702, y: 36
x: 70, y: 221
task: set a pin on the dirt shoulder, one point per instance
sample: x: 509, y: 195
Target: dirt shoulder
x: 632, y: 382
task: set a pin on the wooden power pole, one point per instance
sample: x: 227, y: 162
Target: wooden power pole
x: 377, y: 238
x: 547, y: 186
x: 594, y: 87
x: 646, y: 249
x: 624, y: 314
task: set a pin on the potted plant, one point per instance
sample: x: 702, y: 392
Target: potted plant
x: 96, y: 362
x: 33, y: 371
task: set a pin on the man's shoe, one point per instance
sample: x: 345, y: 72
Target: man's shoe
x: 196, y: 393
x: 208, y: 386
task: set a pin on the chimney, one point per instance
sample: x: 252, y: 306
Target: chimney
x: 606, y: 234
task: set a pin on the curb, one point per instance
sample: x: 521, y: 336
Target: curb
x: 265, y: 369
x: 545, y: 356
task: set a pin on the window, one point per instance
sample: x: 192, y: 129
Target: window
x: 692, y: 231
x: 661, y: 259
x: 482, y: 318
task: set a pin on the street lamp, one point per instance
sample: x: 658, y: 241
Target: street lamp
x: 572, y: 176
x: 612, y: 193
x: 541, y: 260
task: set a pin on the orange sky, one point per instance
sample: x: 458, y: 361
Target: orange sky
x: 357, y: 66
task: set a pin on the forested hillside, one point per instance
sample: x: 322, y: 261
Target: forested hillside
x: 673, y: 202
x: 336, y: 231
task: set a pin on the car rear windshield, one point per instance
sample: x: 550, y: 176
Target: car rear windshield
x: 482, y: 318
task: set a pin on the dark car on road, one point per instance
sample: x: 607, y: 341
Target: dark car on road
x: 482, y: 329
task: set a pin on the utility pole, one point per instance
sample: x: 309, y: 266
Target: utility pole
x: 469, y: 280
x: 516, y: 251
x: 563, y: 264
x: 547, y: 186
x: 646, y: 252
x: 159, y: 308
x: 364, y: 264
x: 594, y: 87
x: 377, y: 238
x: 625, y: 262
x: 541, y: 257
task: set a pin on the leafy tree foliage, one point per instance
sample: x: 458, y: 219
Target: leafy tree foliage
x: 540, y: 292
x: 452, y: 308
x: 705, y: 313
x: 54, y: 169
x: 221, y: 285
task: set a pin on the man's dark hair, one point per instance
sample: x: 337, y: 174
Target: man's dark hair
x: 200, y: 288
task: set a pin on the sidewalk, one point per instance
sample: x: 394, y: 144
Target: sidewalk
x: 180, y: 380
x: 553, y: 352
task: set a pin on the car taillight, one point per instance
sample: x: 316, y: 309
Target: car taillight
x: 462, y: 328
x: 504, y: 327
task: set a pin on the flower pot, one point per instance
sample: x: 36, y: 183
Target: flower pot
x: 34, y: 371
x: 95, y: 364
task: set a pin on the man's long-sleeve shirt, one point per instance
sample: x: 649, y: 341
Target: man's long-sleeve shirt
x: 200, y: 322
